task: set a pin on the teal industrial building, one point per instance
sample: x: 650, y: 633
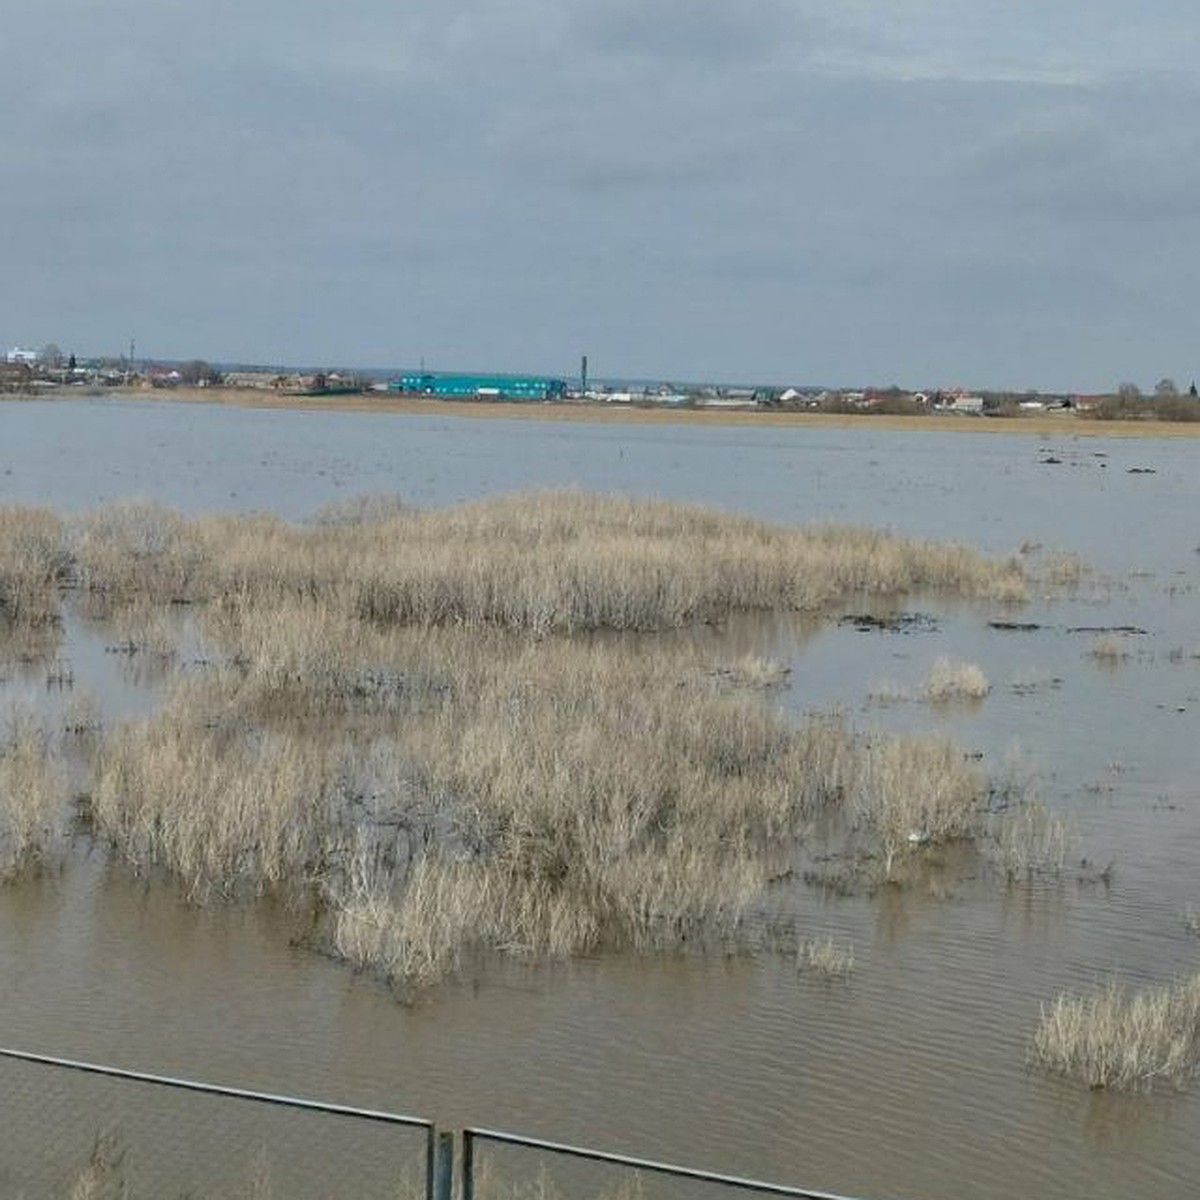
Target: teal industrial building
x: 484, y: 387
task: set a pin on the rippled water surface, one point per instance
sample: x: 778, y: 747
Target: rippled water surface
x: 907, y: 1081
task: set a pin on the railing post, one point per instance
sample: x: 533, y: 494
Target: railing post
x: 468, y: 1165
x: 430, y: 1161
x: 443, y: 1174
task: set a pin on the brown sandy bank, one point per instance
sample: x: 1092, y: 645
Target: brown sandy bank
x: 1065, y: 423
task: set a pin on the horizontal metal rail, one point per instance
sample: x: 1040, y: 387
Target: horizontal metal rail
x: 213, y: 1089
x: 763, y: 1187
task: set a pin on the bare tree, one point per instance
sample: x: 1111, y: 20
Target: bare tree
x: 198, y: 372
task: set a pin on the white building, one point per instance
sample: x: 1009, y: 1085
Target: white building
x: 17, y: 355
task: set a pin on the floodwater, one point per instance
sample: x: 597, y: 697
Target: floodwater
x: 907, y: 1081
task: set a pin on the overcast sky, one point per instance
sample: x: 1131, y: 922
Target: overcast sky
x: 990, y: 192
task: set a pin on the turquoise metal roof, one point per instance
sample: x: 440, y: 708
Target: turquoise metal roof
x: 533, y: 387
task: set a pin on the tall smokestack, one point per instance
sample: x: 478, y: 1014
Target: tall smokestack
x: 583, y: 374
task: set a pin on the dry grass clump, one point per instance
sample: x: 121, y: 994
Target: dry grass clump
x: 451, y: 791
x: 949, y: 680
x: 545, y: 562
x: 825, y: 958
x: 34, y: 563
x: 1109, y: 649
x: 753, y: 671
x: 390, y: 728
x: 918, y: 791
x: 1030, y: 841
x: 83, y: 714
x: 141, y: 549
x: 1126, y: 1041
x: 217, y: 807
x: 1064, y: 569
x: 32, y: 794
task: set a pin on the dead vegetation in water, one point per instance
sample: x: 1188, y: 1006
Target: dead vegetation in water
x: 32, y: 794
x: 497, y: 794
x: 918, y: 791
x: 34, y: 563
x: 1120, y: 1039
x: 1109, y: 650
x: 392, y: 721
x: 825, y: 958
x: 1032, y: 842
x: 556, y: 561
x: 949, y: 681
x: 107, y: 1174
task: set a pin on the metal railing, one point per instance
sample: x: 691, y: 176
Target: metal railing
x: 438, y: 1150
x: 440, y: 1145
x: 760, y: 1186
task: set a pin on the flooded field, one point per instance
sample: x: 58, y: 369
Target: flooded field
x: 906, y: 1077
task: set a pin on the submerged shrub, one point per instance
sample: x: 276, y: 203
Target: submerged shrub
x: 556, y: 561
x: 1109, y: 649
x: 1031, y: 841
x: 394, y: 722
x: 826, y: 958
x: 1121, y: 1039
x: 34, y: 563
x: 917, y: 791
x: 141, y: 549
x: 949, y: 680
x: 32, y: 794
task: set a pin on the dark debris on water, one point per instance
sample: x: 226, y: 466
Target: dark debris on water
x: 905, y: 622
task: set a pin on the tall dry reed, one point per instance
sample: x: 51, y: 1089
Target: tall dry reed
x: 34, y: 563
x: 393, y: 721
x: 559, y: 561
x: 917, y: 791
x: 454, y: 791
x: 1121, y: 1039
x: 32, y: 794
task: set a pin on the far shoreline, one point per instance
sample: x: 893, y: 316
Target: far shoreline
x: 1065, y: 422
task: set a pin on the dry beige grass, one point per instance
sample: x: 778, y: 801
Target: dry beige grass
x: 488, y: 792
x: 917, y: 791
x: 34, y: 562
x: 140, y: 550
x: 32, y: 794
x: 1123, y: 1040
x: 1031, y: 841
x: 1109, y: 649
x: 826, y: 958
x: 543, y: 562
x: 396, y: 723
x: 949, y: 681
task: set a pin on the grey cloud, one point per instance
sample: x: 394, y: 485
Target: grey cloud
x: 768, y: 189
x: 695, y: 31
x: 1128, y: 156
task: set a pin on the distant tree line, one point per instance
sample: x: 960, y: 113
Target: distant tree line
x: 1166, y: 403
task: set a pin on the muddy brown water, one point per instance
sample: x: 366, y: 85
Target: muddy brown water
x: 906, y: 1081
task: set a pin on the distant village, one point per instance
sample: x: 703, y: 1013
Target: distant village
x: 48, y: 370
